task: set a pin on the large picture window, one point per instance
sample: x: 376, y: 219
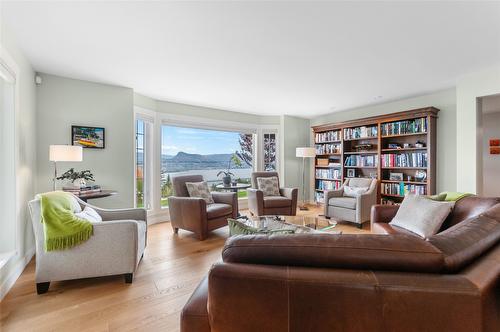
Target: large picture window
x: 143, y: 157
x: 270, y: 151
x: 204, y: 152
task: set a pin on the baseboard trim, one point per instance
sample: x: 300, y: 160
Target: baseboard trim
x: 17, y: 269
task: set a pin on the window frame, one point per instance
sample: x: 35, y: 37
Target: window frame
x: 148, y: 119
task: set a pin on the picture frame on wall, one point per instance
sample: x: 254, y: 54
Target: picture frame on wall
x: 495, y: 146
x: 88, y: 137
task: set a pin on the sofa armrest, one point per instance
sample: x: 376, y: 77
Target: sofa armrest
x: 188, y: 213
x: 290, y: 193
x: 383, y: 213
x: 256, y: 201
x: 227, y: 198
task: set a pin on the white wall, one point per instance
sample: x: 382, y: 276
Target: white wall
x: 491, y: 163
x: 469, y: 138
x: 63, y: 102
x: 446, y: 128
x: 26, y: 163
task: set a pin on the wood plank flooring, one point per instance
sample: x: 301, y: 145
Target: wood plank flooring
x: 172, y: 267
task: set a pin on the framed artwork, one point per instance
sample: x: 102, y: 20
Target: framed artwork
x: 88, y: 137
x: 495, y: 146
x: 396, y: 176
x: 351, y: 173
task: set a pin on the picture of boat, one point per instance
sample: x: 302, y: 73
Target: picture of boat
x: 88, y: 137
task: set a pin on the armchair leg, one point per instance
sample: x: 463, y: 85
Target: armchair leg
x: 42, y: 287
x: 128, y: 277
x: 176, y: 230
x: 360, y: 226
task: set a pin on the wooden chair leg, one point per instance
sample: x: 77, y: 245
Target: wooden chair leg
x: 129, y: 277
x: 42, y: 287
x: 176, y: 230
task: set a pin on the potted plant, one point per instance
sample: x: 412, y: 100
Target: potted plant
x: 226, y: 179
x: 82, y: 177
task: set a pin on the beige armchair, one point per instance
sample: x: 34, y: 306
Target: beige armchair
x: 356, y: 210
x: 260, y: 205
x: 116, y: 247
x: 194, y: 214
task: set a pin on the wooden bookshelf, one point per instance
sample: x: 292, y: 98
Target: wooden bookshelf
x: 378, y: 147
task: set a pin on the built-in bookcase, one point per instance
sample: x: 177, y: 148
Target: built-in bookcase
x: 398, y: 149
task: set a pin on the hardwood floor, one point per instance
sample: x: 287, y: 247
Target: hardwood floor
x: 171, y: 269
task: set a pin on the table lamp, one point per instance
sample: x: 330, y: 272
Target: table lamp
x: 64, y: 153
x: 304, y: 153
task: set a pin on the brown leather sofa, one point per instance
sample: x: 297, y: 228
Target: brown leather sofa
x: 260, y: 205
x: 375, y: 282
x: 193, y: 213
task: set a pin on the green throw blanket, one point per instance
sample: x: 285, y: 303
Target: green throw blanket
x: 63, y: 229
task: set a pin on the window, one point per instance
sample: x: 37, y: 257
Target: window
x: 205, y: 152
x: 269, y: 151
x: 7, y: 164
x: 142, y: 164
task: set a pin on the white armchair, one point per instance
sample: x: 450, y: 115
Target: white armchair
x: 355, y: 210
x: 116, y: 247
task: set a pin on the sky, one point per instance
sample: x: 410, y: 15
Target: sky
x: 201, y: 141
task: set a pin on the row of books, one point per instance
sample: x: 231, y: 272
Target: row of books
x: 400, y: 189
x: 328, y: 185
x: 365, y: 161
x: 328, y: 173
x: 404, y: 127
x: 83, y: 190
x: 327, y: 148
x: 360, y: 132
x: 328, y: 136
x: 414, y: 159
x: 388, y: 201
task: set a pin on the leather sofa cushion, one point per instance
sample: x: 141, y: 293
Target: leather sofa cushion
x: 343, y: 202
x: 377, y: 252
x: 217, y: 210
x: 276, y: 201
x: 466, y: 241
x: 468, y: 207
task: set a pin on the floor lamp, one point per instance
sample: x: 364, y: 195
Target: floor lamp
x: 64, y: 153
x: 304, y: 153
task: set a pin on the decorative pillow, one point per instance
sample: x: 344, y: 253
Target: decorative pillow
x: 354, y: 191
x: 439, y: 197
x: 421, y: 215
x: 74, y: 203
x: 89, y: 214
x: 269, y: 185
x: 236, y: 227
x: 200, y: 189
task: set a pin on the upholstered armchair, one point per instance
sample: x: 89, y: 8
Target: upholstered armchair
x: 356, y: 210
x: 194, y: 214
x: 115, y: 248
x: 285, y: 204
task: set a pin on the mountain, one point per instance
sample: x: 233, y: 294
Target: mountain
x: 183, y: 161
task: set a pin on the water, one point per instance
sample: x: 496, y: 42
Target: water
x: 210, y: 175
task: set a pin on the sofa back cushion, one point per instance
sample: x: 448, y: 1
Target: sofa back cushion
x: 179, y: 184
x: 363, y: 251
x: 468, y: 207
x: 256, y: 175
x: 466, y: 241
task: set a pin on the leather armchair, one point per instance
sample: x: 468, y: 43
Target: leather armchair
x: 260, y: 205
x: 356, y: 210
x: 194, y: 214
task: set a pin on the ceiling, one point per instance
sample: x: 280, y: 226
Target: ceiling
x: 268, y: 58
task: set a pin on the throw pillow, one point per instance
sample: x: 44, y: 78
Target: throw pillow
x: 200, y: 189
x: 75, y: 204
x: 354, y: 191
x: 421, y: 215
x: 439, y: 197
x: 237, y: 227
x: 269, y: 185
x: 89, y: 214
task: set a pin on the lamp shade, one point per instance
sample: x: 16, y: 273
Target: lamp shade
x: 305, y: 152
x: 65, y: 153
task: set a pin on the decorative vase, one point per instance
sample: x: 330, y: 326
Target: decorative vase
x: 226, y: 180
x: 82, y: 183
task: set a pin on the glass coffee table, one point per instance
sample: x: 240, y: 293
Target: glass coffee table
x: 299, y: 224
